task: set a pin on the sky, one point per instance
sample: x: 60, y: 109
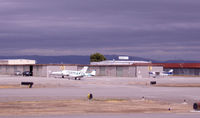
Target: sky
x: 156, y: 29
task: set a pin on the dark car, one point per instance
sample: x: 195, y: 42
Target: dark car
x: 27, y: 73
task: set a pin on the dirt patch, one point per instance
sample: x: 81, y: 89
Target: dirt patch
x: 9, y: 86
x: 177, y: 85
x: 80, y: 106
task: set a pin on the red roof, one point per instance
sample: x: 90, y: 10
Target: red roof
x: 181, y: 65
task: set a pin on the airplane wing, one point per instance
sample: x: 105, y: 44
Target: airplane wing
x: 57, y: 73
x: 76, y: 77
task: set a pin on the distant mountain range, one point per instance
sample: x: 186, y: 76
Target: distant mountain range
x: 73, y: 59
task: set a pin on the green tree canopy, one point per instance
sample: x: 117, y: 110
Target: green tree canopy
x: 97, y: 57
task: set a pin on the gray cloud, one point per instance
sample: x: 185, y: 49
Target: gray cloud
x: 155, y: 29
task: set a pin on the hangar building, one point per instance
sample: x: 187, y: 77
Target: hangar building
x: 183, y: 69
x: 17, y: 61
x: 10, y: 66
x: 120, y: 68
x: 44, y: 70
x: 134, y: 70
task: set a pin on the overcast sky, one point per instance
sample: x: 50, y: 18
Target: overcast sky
x: 157, y: 29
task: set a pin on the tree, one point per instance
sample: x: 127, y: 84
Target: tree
x: 97, y: 57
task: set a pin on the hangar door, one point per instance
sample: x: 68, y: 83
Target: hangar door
x: 122, y: 71
x: 119, y: 71
x: 102, y: 71
x: 31, y: 70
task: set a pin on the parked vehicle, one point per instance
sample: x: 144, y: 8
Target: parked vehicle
x: 27, y: 73
x: 18, y: 73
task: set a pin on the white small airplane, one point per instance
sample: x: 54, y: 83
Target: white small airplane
x: 164, y: 73
x: 75, y: 74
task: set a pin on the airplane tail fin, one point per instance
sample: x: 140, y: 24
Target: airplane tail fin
x: 170, y: 71
x: 93, y: 73
x: 84, y: 70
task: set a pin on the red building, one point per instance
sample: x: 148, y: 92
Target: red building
x: 190, y: 69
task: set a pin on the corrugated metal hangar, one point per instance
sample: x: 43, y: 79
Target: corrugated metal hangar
x: 44, y: 70
x: 134, y: 70
x: 128, y: 70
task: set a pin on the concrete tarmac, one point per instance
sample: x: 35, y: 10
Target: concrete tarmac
x: 157, y: 115
x: 102, y: 88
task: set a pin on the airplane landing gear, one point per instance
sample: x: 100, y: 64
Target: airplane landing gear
x: 76, y: 78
